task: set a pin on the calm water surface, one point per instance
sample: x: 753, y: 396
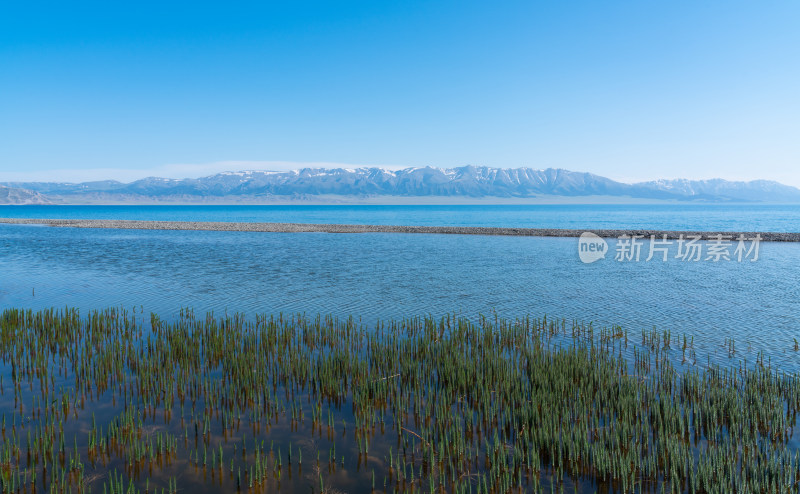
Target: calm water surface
x: 734, y: 217
x: 374, y: 276
x: 380, y: 276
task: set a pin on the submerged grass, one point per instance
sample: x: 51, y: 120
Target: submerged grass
x: 113, y: 402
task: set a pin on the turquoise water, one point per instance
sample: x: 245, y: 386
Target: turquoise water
x: 372, y: 276
x: 741, y: 217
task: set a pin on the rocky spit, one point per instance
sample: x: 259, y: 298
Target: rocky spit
x: 326, y: 228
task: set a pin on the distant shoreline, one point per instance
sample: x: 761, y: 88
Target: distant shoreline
x: 383, y: 200
x: 334, y: 228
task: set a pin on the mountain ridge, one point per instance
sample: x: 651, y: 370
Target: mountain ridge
x: 466, y: 182
x: 15, y: 195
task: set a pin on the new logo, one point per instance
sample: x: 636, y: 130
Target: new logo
x: 591, y: 247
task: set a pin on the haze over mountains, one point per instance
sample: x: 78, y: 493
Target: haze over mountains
x: 13, y: 195
x: 375, y: 185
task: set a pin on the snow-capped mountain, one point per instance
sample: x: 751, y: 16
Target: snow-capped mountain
x: 464, y: 182
x: 756, y: 190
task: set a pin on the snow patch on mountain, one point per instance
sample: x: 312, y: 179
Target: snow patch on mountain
x: 416, y: 182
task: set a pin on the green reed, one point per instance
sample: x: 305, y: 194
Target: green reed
x: 447, y: 405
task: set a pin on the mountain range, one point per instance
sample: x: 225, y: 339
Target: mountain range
x: 377, y: 184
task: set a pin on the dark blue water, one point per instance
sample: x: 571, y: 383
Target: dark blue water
x: 372, y: 276
x: 724, y: 217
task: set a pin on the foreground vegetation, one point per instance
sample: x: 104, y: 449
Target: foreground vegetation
x: 117, y: 402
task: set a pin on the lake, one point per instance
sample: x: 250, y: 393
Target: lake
x: 722, y: 217
x: 379, y: 276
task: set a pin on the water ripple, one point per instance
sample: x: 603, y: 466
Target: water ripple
x: 376, y: 276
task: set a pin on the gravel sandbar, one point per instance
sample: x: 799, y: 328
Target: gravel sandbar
x: 332, y: 228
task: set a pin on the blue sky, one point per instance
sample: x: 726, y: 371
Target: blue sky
x: 631, y: 90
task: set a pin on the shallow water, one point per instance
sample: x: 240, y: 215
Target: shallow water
x: 98, y: 398
x: 381, y: 276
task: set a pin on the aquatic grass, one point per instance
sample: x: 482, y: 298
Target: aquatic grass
x: 443, y: 405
